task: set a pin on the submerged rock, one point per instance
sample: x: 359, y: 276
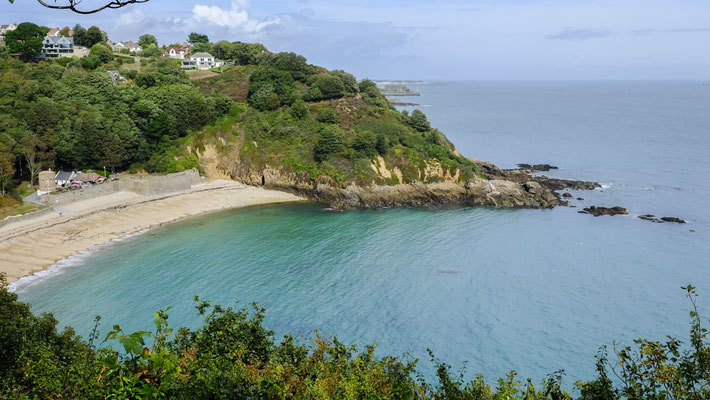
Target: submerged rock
x: 599, y: 211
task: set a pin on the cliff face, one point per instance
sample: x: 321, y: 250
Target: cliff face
x: 492, y: 187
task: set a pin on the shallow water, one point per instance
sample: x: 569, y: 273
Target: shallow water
x: 529, y: 290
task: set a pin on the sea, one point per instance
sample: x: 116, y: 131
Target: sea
x: 486, y: 290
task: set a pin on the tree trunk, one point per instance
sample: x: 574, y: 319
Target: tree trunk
x: 31, y: 157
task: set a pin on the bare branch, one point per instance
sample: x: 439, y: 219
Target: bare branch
x: 73, y: 5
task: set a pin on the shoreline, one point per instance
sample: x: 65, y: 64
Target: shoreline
x: 33, y: 249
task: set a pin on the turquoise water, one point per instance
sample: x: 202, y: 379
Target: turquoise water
x: 529, y: 290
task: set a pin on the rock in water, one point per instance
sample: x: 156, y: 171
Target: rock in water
x: 650, y: 217
x: 567, y: 195
x: 599, y: 211
x: 536, y: 167
x: 673, y: 219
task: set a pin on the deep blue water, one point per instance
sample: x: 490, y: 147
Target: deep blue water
x: 530, y: 290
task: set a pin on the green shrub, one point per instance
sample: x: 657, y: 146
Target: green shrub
x: 327, y: 116
x: 365, y: 144
x: 330, y: 141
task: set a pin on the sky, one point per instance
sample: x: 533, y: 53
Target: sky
x: 435, y: 39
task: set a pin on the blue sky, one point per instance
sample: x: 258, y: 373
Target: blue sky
x: 446, y: 39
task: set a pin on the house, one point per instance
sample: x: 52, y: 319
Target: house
x: 87, y: 177
x: 4, y: 29
x: 54, y: 32
x: 7, y: 28
x: 57, y: 46
x: 202, y: 60
x: 116, y: 77
x: 64, y: 178
x: 178, y: 52
x: 132, y: 47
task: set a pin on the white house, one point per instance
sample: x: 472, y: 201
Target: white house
x: 4, y: 29
x: 132, y: 47
x: 178, y: 52
x: 203, y: 61
x: 54, y: 32
x: 57, y: 46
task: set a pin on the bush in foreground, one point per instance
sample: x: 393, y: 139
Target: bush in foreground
x: 233, y: 356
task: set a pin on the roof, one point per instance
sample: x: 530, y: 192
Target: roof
x: 53, y: 31
x: 57, y: 39
x: 88, y: 177
x: 64, y: 176
x: 202, y: 54
x: 130, y: 44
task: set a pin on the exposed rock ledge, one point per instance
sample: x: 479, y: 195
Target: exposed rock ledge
x: 495, y: 187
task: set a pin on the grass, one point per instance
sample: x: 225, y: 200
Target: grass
x: 10, y: 206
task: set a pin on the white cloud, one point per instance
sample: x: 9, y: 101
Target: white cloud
x: 236, y: 18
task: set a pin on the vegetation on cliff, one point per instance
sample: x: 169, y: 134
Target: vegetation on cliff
x: 281, y: 111
x: 232, y: 355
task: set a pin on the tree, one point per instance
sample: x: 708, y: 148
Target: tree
x: 65, y: 31
x: 299, y: 109
x: 79, y: 35
x: 73, y: 4
x: 330, y: 141
x: 102, y: 52
x: 329, y: 85
x: 365, y: 144
x: 198, y: 38
x: 29, y: 144
x: 202, y: 47
x: 93, y: 36
x: 26, y: 40
x: 419, y: 122
x: 7, y: 168
x: 151, y: 51
x: 146, y: 40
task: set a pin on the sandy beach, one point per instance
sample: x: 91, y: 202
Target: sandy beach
x: 30, y: 246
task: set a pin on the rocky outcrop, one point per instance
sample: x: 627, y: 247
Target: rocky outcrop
x: 599, y: 211
x: 652, y: 218
x: 490, y: 187
x: 536, y: 167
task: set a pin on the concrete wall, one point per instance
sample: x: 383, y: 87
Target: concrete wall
x: 150, y: 186
x: 25, y: 217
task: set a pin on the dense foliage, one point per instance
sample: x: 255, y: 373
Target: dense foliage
x: 70, y: 113
x: 233, y: 356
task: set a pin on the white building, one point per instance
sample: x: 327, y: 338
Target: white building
x: 132, y: 47
x: 4, y: 29
x: 203, y: 61
x: 178, y: 52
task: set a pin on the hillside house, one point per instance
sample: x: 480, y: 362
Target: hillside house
x: 4, y: 29
x: 54, y: 32
x: 202, y: 61
x: 57, y: 46
x: 132, y: 47
x: 178, y: 52
x: 7, y: 28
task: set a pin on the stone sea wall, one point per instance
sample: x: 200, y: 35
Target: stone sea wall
x: 150, y: 186
x: 25, y: 217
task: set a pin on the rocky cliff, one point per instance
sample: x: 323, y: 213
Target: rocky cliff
x: 490, y: 187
